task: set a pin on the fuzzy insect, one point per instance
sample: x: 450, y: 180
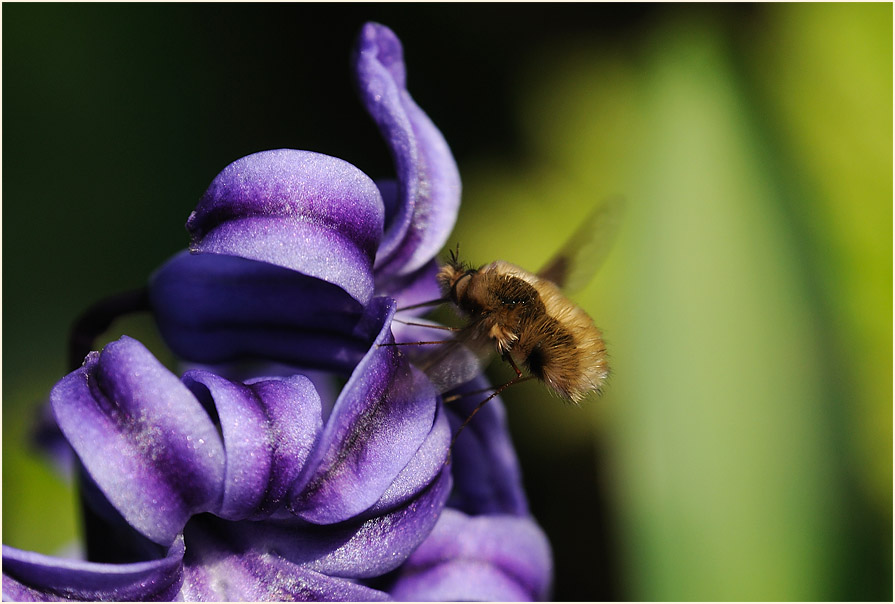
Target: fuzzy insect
x: 527, y: 319
x: 530, y: 323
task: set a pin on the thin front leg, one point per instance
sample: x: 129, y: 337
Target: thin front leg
x: 416, y: 343
x: 429, y: 325
x: 516, y: 380
x: 423, y: 304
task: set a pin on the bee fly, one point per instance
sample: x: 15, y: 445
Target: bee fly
x: 526, y: 318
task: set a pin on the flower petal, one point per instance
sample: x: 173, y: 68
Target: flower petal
x: 428, y: 460
x: 495, y: 558
x: 28, y: 576
x: 218, y: 569
x: 365, y: 547
x: 428, y: 193
x: 269, y: 427
x: 413, y: 288
x: 486, y: 469
x: 145, y: 440
x: 383, y: 415
x: 312, y: 213
x: 212, y: 308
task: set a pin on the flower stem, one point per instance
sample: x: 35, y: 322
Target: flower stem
x: 98, y: 318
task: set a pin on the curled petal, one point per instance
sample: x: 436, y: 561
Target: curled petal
x: 428, y: 460
x: 380, y: 420
x: 28, y: 576
x: 314, y: 214
x: 428, y: 192
x: 269, y: 427
x: 496, y: 558
x: 216, y: 569
x: 486, y: 469
x: 365, y: 547
x: 213, y: 308
x: 143, y: 437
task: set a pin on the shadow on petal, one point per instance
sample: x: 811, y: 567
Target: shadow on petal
x: 382, y: 417
x: 213, y: 308
x: 28, y: 576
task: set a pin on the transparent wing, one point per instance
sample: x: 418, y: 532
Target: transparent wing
x: 457, y: 359
x: 576, y: 262
x: 454, y: 364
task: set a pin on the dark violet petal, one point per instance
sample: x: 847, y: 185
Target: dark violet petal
x: 28, y: 576
x: 366, y: 547
x: 383, y: 415
x: 308, y: 212
x: 212, y: 308
x: 48, y: 438
x: 414, y: 288
x: 269, y: 427
x: 217, y: 569
x: 492, y: 558
x: 428, y: 193
x: 486, y: 469
x: 144, y: 438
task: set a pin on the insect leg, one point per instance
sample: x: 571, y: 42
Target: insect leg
x: 429, y: 325
x: 516, y: 380
x: 414, y: 343
x: 422, y: 304
x: 512, y: 363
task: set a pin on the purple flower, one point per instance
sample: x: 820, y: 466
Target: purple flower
x: 207, y: 487
x: 244, y: 491
x: 288, y: 246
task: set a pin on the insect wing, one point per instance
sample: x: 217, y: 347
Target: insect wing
x: 576, y: 262
x: 450, y: 363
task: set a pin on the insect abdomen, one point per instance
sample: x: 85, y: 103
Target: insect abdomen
x: 549, y: 353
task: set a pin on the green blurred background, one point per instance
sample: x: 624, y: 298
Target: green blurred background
x: 743, y: 450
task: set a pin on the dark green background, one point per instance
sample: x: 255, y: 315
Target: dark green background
x: 744, y: 448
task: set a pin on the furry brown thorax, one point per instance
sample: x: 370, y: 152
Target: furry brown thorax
x: 530, y: 321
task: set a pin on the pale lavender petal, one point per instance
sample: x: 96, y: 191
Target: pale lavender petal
x: 28, y: 576
x: 108, y: 537
x: 365, y: 547
x: 144, y: 438
x: 219, y: 568
x: 428, y: 460
x: 312, y: 213
x: 428, y: 193
x: 486, y: 469
x: 269, y: 427
x: 494, y: 558
x: 380, y: 420
x: 212, y: 308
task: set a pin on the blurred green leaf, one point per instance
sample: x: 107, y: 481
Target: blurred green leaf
x: 724, y: 412
x: 831, y: 95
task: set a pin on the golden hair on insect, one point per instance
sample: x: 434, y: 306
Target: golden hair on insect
x: 527, y: 319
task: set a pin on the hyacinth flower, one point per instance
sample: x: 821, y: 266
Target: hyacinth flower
x: 213, y: 487
x: 288, y: 247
